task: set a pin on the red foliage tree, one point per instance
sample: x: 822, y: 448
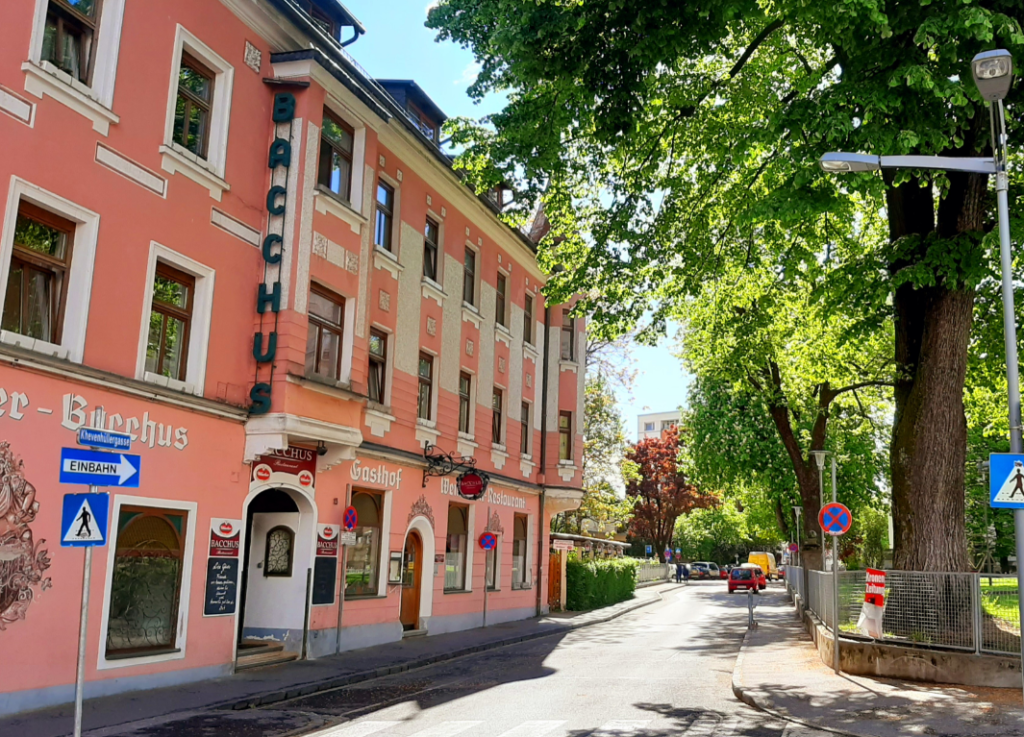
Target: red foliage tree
x: 662, y: 490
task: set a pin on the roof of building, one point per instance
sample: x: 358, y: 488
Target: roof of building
x: 344, y: 16
x: 585, y: 539
x: 409, y: 89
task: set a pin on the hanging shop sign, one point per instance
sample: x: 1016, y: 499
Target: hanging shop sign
x: 293, y: 465
x: 472, y: 484
x: 269, y: 297
x: 222, y: 567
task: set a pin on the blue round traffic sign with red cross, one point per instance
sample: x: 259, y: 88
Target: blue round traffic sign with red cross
x: 488, y: 541
x: 835, y: 519
x: 351, y: 518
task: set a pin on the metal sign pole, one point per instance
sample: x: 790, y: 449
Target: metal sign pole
x: 486, y: 553
x: 83, y: 633
x: 835, y: 581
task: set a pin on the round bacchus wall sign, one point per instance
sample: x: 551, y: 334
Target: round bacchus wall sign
x: 472, y: 484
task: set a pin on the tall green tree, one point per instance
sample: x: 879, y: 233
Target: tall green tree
x: 663, y: 136
x: 604, y: 446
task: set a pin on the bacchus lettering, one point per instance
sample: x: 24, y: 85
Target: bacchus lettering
x: 268, y: 298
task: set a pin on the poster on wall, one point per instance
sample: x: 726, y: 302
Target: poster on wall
x: 222, y: 567
x: 325, y: 567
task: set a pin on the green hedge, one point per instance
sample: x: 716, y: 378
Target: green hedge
x: 591, y: 584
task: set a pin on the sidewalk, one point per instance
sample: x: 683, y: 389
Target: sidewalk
x: 779, y: 670
x: 269, y: 685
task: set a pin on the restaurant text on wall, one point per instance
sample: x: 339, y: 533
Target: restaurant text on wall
x: 269, y: 296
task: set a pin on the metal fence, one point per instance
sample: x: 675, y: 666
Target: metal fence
x: 651, y: 571
x: 961, y: 611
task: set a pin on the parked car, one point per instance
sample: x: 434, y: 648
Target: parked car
x: 724, y: 571
x: 767, y: 563
x: 762, y: 577
x: 745, y: 577
x: 699, y: 570
x: 782, y: 572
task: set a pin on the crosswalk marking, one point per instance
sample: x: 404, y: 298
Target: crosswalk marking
x: 533, y: 729
x: 359, y: 729
x: 445, y: 729
x: 621, y: 728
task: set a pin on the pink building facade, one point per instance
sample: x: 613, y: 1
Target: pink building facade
x: 221, y: 236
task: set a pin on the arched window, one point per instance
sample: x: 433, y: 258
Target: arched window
x: 363, y: 559
x: 280, y: 549
x: 146, y: 585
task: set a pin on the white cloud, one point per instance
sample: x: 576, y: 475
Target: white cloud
x: 469, y: 74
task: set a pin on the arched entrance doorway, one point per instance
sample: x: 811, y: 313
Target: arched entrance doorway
x: 279, y: 532
x: 412, y: 577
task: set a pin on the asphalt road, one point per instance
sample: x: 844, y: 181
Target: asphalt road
x: 663, y: 670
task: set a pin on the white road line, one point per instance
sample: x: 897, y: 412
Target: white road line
x: 445, y: 729
x: 621, y: 728
x: 533, y: 729
x: 359, y: 729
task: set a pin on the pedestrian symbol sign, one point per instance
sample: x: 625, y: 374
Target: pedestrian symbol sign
x: 84, y: 520
x: 1006, y: 480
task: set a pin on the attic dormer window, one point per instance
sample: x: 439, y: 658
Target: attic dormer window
x: 423, y: 122
x: 317, y: 14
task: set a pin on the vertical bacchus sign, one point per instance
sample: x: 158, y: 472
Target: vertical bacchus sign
x: 269, y: 297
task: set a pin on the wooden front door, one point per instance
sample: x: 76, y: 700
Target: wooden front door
x: 412, y: 574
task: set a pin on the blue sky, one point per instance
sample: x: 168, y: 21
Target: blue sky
x: 398, y: 46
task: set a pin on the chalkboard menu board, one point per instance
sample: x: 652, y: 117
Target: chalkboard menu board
x: 222, y: 567
x: 221, y: 586
x: 325, y: 572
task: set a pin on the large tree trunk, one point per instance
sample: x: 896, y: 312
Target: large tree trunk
x: 929, y: 441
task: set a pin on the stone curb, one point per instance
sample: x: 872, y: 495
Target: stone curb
x: 305, y: 689
x: 763, y: 702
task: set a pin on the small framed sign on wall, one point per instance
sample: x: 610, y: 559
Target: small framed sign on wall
x: 395, y: 567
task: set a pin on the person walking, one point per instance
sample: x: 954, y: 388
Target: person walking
x: 679, y: 571
x: 686, y: 572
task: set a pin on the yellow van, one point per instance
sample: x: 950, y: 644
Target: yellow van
x: 767, y: 563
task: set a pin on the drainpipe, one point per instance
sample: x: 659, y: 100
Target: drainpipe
x: 543, y: 455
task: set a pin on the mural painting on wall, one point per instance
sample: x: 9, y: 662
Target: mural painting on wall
x: 22, y: 561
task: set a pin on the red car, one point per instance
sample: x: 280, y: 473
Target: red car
x: 749, y: 577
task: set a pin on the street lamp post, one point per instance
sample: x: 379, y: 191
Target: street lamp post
x: 798, y: 511
x: 993, y: 75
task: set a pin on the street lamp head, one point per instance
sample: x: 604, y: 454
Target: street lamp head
x: 819, y: 457
x: 993, y: 74
x: 837, y: 162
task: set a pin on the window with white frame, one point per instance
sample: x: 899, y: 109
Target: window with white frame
x: 198, y: 112
x: 524, y: 429
x: 456, y: 547
x: 519, y: 550
x: 47, y: 254
x: 378, y: 366
x: 363, y: 558
x: 465, y: 403
x: 73, y: 55
x: 501, y: 300
x: 177, y: 310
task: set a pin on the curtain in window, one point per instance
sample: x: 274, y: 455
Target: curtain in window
x: 519, y: 552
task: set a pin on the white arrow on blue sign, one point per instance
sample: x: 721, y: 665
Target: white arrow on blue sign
x: 94, y: 468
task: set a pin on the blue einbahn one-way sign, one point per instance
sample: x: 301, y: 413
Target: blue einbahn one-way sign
x: 95, y: 468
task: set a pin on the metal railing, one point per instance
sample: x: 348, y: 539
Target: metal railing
x: 650, y: 571
x: 960, y: 611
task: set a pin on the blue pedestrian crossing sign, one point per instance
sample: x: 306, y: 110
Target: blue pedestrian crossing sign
x: 84, y: 519
x: 96, y: 468
x: 1006, y: 480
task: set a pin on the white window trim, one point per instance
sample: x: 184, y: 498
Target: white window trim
x: 186, y: 580
x: 358, y: 126
x: 83, y: 261
x: 93, y: 102
x: 525, y: 453
x: 396, y: 218
x: 199, y: 328
x: 471, y: 435
x: 504, y: 418
x: 435, y: 374
x: 348, y: 327
x: 477, y: 297
x: 208, y: 172
x: 389, y: 366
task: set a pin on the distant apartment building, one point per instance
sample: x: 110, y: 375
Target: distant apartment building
x: 653, y: 424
